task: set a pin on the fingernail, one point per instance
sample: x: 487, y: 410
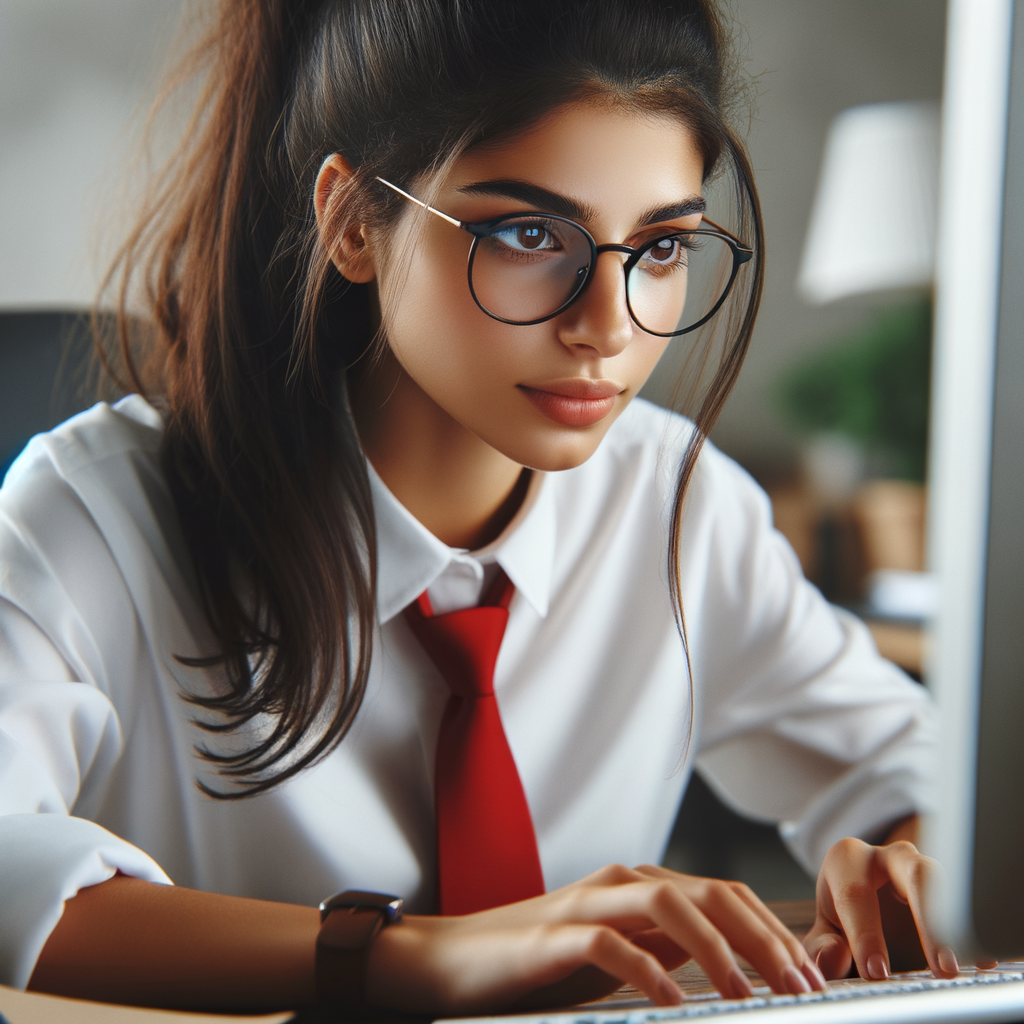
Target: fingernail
x: 739, y: 984
x: 814, y: 976
x: 670, y: 990
x: 795, y: 981
x: 878, y: 970
x: 947, y: 960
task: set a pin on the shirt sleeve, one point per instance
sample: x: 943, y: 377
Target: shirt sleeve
x: 60, y: 738
x: 802, y: 722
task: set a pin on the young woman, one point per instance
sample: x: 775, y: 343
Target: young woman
x: 227, y: 603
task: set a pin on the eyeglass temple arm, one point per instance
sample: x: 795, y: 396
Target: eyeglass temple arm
x: 718, y: 227
x: 413, y: 199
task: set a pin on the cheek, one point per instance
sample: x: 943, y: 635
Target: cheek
x: 642, y: 357
x: 454, y: 352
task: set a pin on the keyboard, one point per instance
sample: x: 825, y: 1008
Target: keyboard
x: 973, y: 997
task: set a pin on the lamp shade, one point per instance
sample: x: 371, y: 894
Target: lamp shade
x: 872, y: 227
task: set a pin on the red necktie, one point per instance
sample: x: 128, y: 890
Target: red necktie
x: 486, y: 847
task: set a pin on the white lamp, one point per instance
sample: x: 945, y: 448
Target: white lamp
x: 873, y: 223
x: 873, y: 229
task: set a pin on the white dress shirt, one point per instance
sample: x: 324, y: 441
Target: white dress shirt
x: 796, y: 719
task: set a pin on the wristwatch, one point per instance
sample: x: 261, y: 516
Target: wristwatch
x: 349, y: 922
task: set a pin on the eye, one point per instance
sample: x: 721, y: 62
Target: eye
x: 670, y: 253
x: 527, y: 236
x: 665, y: 250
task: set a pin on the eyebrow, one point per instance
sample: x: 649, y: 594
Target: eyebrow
x: 565, y: 206
x: 688, y: 207
x: 538, y: 197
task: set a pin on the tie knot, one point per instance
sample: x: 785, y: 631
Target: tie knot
x: 463, y: 645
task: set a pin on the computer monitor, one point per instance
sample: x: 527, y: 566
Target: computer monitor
x: 976, y: 511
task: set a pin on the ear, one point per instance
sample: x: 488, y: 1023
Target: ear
x: 349, y: 253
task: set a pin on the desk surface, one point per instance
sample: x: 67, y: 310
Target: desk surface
x: 30, y: 1008
x: 900, y: 642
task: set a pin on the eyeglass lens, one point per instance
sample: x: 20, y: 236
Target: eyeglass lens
x: 527, y: 268
x: 530, y: 267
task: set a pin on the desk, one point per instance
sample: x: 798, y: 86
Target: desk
x: 31, y: 1008
x: 899, y: 642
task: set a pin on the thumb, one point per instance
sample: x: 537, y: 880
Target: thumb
x: 829, y: 950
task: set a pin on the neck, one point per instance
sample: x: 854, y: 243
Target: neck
x: 461, y: 489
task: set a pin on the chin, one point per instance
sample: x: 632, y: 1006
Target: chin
x: 554, y: 454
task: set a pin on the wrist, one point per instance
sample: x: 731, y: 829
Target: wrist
x: 402, y: 967
x: 350, y: 922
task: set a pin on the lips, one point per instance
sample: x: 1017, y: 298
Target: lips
x: 575, y: 402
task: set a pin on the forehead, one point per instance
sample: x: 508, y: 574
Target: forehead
x: 613, y: 158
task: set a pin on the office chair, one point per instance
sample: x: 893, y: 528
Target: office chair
x: 44, y: 361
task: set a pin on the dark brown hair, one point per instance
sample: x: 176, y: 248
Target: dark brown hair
x: 254, y: 332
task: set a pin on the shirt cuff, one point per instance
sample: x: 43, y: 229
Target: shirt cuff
x: 44, y: 860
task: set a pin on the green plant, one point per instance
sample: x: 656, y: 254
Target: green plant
x: 872, y: 386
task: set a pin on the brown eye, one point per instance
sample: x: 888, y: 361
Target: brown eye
x: 663, y: 250
x: 528, y: 235
x: 531, y: 236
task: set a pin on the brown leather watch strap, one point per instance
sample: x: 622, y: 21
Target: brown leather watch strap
x: 342, y: 946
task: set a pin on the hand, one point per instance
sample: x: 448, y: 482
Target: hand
x: 584, y: 940
x: 867, y: 895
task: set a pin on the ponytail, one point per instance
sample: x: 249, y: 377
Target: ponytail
x: 260, y: 454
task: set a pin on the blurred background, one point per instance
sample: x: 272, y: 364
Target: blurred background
x: 830, y: 413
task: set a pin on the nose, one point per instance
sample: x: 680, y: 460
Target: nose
x: 599, y: 319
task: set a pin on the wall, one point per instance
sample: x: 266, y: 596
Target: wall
x: 71, y: 74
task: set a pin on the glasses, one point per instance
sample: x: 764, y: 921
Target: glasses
x: 525, y: 268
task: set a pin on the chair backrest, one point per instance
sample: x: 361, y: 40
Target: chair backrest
x: 44, y: 358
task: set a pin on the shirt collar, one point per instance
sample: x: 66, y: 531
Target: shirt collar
x: 410, y: 557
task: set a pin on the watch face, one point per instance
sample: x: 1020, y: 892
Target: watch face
x: 357, y: 899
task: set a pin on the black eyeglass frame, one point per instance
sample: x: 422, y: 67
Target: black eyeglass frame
x: 741, y: 253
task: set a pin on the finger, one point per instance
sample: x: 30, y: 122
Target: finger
x: 855, y: 902
x: 611, y: 952
x: 825, y: 942
x: 797, y: 951
x: 830, y: 952
x: 771, y: 955
x: 909, y: 873
x: 857, y: 906
x: 660, y: 903
x: 751, y: 929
